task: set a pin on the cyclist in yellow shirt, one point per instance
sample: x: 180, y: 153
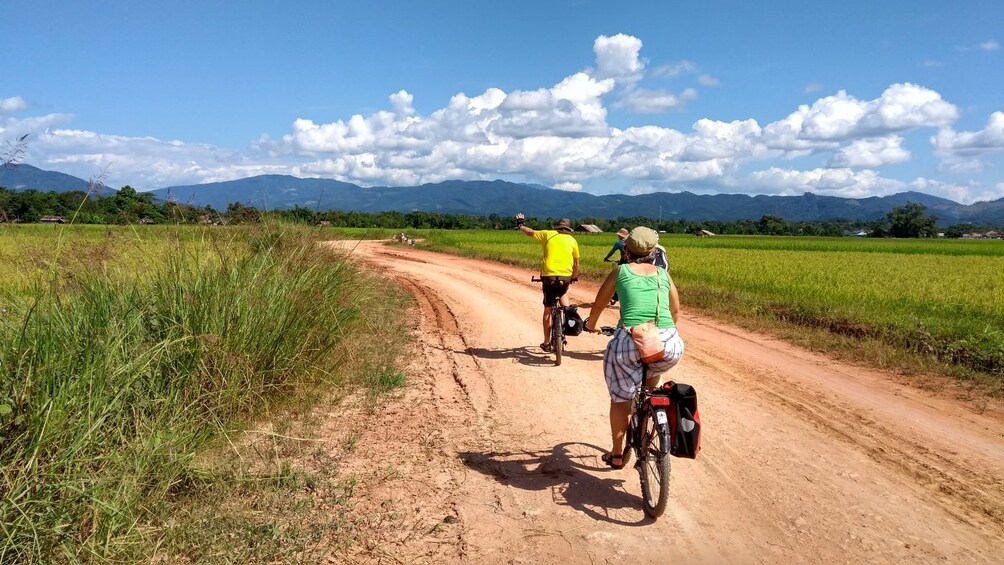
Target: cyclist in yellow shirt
x: 557, y: 269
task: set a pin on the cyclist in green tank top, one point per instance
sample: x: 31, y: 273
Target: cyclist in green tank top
x: 644, y: 304
x: 647, y: 293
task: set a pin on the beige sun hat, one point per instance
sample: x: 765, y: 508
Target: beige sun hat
x: 622, y: 234
x: 564, y: 225
x: 641, y: 241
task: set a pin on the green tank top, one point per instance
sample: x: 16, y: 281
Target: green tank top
x: 638, y: 295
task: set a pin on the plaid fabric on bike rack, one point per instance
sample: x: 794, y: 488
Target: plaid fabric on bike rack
x: 622, y: 366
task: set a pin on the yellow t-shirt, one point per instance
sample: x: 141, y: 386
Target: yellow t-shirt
x: 560, y: 250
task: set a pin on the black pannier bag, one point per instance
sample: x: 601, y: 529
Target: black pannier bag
x: 684, y: 421
x: 573, y: 321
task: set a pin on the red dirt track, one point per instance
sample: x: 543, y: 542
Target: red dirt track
x: 805, y: 459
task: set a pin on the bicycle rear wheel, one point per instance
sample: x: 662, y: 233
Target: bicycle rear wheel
x: 557, y: 333
x: 653, y: 465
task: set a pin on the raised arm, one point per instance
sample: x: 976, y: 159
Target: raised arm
x: 520, y: 219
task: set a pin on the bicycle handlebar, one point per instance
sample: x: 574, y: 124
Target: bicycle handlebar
x: 537, y: 279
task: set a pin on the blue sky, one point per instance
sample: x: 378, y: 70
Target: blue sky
x: 850, y: 99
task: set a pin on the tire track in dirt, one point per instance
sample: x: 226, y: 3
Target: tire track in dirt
x: 805, y: 459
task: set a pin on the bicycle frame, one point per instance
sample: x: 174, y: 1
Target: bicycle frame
x: 557, y: 338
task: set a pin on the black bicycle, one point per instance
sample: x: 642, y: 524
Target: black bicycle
x: 648, y: 437
x: 557, y: 340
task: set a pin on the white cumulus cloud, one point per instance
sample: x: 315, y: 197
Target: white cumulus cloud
x: 965, y: 152
x: 871, y: 153
x: 842, y: 117
x: 557, y: 135
x: 617, y: 57
x: 847, y: 183
x: 12, y: 104
x: 569, y: 186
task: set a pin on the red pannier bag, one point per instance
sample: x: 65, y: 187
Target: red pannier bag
x: 684, y: 421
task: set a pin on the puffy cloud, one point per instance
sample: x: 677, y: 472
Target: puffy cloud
x: 401, y: 102
x: 842, y: 117
x: 871, y: 153
x: 617, y: 58
x: 965, y: 152
x: 557, y: 135
x: 11, y: 105
x: 834, y: 182
x: 569, y: 186
x: 645, y: 101
x: 964, y: 193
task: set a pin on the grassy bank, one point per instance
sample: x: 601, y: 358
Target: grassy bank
x: 936, y: 301
x: 132, y: 353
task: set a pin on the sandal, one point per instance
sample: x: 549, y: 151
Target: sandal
x: 546, y: 346
x: 608, y: 458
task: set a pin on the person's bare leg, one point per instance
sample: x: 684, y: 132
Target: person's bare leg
x: 620, y: 414
x: 547, y: 324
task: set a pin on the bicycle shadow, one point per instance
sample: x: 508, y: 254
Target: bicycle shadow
x: 563, y: 470
x: 522, y: 355
x: 527, y: 356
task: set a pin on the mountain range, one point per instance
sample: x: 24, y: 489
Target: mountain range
x: 273, y: 192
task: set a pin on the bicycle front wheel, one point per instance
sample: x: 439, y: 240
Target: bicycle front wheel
x: 557, y: 334
x: 653, y: 464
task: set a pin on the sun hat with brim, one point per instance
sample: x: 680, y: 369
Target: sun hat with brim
x: 622, y: 234
x: 564, y: 225
x: 641, y: 241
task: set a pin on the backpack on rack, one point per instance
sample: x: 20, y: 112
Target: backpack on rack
x: 573, y: 322
x: 684, y: 421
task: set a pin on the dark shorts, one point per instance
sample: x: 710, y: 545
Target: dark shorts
x: 554, y: 288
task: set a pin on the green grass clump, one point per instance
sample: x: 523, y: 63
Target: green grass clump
x: 112, y: 383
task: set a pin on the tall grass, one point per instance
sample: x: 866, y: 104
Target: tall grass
x: 109, y: 389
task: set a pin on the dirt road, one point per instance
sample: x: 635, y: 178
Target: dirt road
x: 804, y: 460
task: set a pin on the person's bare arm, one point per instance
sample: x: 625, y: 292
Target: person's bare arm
x: 674, y: 302
x: 575, y: 267
x: 603, y: 297
x: 523, y: 227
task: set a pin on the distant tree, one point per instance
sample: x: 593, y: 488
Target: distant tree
x: 911, y: 221
x: 772, y: 225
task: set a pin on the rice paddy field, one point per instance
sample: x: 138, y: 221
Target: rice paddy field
x: 941, y: 299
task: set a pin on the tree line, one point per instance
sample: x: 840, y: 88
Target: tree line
x: 128, y: 206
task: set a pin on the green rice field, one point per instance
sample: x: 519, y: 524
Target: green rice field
x: 939, y: 298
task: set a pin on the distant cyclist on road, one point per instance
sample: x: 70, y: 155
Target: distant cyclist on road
x: 618, y: 247
x: 621, y: 257
x: 557, y: 269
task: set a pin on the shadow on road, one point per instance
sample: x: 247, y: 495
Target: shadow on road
x: 566, y: 471
x: 531, y: 356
